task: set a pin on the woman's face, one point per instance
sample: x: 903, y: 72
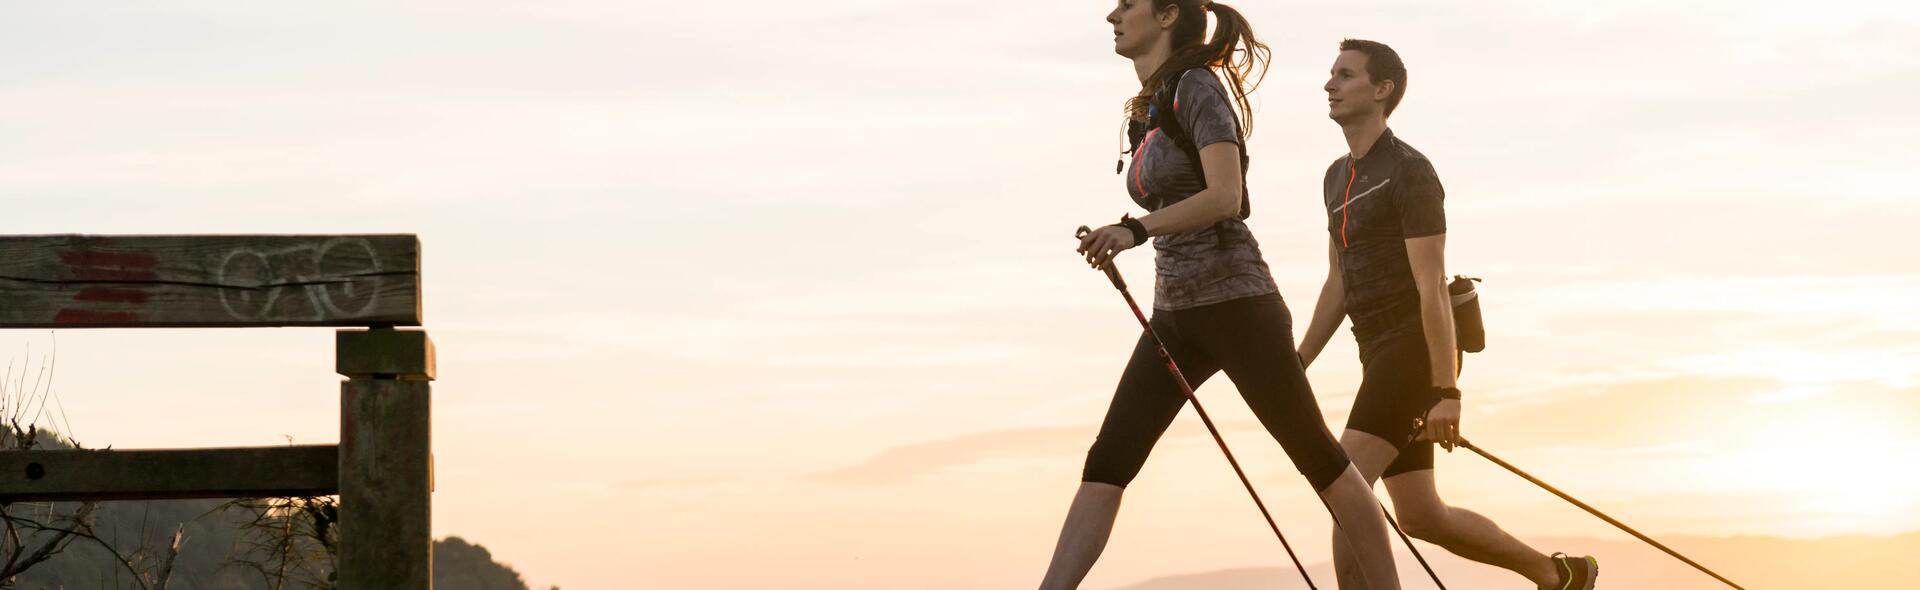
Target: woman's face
x: 1135, y: 27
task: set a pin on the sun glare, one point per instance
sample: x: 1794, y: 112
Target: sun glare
x: 1840, y: 470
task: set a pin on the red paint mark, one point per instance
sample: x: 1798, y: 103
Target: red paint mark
x: 110, y: 295
x: 87, y: 316
x: 88, y: 265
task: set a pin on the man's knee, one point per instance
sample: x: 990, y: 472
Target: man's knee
x: 1426, y: 523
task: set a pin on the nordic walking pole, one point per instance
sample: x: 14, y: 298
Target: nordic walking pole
x: 1622, y: 526
x: 1113, y: 274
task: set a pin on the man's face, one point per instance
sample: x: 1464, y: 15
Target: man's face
x: 1350, y: 92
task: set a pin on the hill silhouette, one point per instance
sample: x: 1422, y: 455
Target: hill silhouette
x: 213, y: 539
x: 211, y: 543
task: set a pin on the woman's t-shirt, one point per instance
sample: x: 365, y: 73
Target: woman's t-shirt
x: 1216, y: 263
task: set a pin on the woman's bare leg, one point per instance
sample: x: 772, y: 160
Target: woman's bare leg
x: 1370, y: 455
x: 1084, y: 536
x: 1361, y: 534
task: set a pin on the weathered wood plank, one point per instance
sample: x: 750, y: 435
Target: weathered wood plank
x: 161, y: 474
x: 86, y: 281
x: 384, y: 352
x: 386, y: 484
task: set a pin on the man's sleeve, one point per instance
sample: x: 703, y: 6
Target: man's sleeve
x: 1421, y: 211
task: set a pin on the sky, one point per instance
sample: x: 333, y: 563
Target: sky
x: 780, y: 294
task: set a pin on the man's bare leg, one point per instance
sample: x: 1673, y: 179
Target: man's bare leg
x: 1423, y: 515
x: 1421, y: 512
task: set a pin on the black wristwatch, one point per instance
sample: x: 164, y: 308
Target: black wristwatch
x: 1452, y: 393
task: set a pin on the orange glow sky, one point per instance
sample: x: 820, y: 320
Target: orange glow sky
x: 781, y: 294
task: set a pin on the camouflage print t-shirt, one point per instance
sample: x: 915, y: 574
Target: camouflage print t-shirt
x: 1217, y: 263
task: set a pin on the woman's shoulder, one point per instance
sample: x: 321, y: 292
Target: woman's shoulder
x: 1201, y: 88
x: 1200, y: 78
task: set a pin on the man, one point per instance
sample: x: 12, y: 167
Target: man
x: 1387, y: 272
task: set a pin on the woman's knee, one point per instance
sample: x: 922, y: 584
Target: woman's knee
x: 1114, y: 465
x: 1105, y: 477
x: 1107, y: 473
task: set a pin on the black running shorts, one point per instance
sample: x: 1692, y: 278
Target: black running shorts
x: 1396, y: 386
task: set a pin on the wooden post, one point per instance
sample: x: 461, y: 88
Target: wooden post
x: 386, y: 460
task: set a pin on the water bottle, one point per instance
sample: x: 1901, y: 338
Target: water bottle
x: 1468, y: 332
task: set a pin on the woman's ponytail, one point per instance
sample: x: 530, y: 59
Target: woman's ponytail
x: 1234, y: 51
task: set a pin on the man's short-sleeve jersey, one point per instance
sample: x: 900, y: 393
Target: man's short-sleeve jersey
x: 1374, y: 204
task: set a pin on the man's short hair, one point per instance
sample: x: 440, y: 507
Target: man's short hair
x: 1382, y: 64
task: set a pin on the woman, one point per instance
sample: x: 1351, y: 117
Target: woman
x: 1215, y: 303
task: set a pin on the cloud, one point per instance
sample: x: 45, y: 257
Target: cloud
x: 671, y: 483
x: 906, y: 462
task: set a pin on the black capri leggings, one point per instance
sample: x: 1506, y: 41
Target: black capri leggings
x: 1252, y: 340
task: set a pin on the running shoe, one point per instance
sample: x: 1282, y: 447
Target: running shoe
x: 1576, y: 573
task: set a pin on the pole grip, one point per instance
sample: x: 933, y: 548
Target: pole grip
x: 1113, y: 274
